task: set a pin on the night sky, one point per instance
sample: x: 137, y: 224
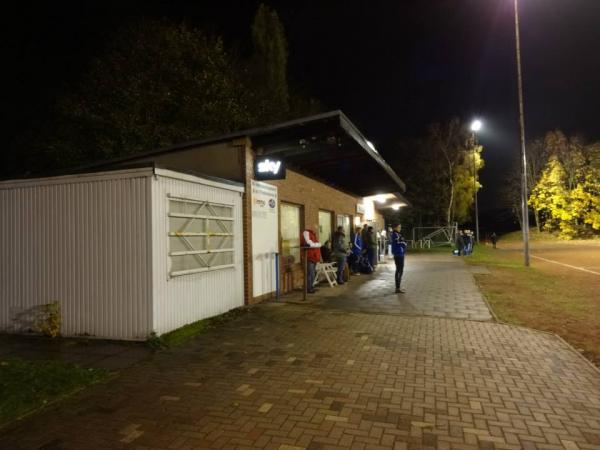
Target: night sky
x: 392, y: 66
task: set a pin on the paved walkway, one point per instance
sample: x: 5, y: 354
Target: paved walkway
x: 298, y: 377
x: 436, y: 285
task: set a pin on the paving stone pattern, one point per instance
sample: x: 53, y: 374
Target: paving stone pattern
x: 436, y: 285
x: 297, y: 377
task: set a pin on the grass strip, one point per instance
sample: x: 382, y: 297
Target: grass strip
x: 184, y: 334
x: 26, y: 386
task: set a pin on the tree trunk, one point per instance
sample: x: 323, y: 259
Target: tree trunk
x: 451, y: 202
x: 517, y: 210
x: 536, y: 214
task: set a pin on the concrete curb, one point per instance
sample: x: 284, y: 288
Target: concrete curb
x: 548, y: 333
x: 487, y: 302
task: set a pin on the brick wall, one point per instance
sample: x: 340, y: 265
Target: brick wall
x: 312, y: 195
x: 247, y: 158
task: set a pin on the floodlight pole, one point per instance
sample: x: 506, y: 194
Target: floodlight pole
x: 475, y: 188
x: 525, y: 209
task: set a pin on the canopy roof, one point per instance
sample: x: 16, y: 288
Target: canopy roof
x: 330, y: 148
x: 325, y: 146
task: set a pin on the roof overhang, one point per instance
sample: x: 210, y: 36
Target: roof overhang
x: 329, y: 148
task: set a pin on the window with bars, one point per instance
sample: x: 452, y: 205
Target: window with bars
x: 200, y: 236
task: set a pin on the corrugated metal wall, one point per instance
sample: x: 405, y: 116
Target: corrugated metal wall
x: 188, y: 298
x: 83, y: 243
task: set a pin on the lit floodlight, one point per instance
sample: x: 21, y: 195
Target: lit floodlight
x: 476, y: 125
x: 397, y: 206
x: 381, y: 199
x: 371, y: 146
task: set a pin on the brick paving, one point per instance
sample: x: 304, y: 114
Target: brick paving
x: 436, y: 285
x: 286, y: 376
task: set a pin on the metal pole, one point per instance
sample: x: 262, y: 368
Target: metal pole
x: 276, y: 275
x: 525, y: 209
x: 305, y: 274
x: 475, y: 188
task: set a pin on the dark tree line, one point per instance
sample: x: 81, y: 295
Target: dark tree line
x: 157, y: 83
x: 441, y: 170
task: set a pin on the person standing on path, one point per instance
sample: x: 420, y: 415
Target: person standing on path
x: 460, y: 243
x: 356, y: 251
x: 398, y: 250
x: 370, y: 243
x: 363, y: 235
x: 313, y: 256
x: 494, y: 239
x: 340, y: 250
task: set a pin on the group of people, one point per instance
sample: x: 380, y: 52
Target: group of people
x: 362, y: 256
x: 464, y: 242
x: 364, y: 249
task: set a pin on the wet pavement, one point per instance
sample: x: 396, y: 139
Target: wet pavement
x: 319, y: 376
x: 436, y: 285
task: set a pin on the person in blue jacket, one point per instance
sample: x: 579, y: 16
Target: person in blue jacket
x: 357, y: 245
x: 398, y: 250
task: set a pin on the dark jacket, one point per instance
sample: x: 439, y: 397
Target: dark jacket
x: 370, y: 240
x: 363, y: 236
x: 460, y: 241
x: 339, y: 244
x: 326, y: 252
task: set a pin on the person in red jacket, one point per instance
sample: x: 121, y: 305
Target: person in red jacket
x: 310, y: 241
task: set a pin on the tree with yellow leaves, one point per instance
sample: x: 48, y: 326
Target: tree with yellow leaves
x: 568, y: 200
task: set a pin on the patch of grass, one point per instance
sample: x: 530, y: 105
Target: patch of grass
x: 29, y: 385
x: 534, y: 236
x: 543, y: 236
x: 550, y: 299
x: 488, y: 256
x: 442, y: 249
x: 184, y: 334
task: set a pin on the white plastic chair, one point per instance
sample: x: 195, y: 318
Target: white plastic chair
x: 326, y: 271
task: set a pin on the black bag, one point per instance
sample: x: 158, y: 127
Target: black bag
x: 364, y: 266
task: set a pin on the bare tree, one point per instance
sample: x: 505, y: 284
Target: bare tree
x: 450, y: 141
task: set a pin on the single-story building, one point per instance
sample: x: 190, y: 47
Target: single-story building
x: 317, y: 172
x: 152, y: 242
x: 125, y: 252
